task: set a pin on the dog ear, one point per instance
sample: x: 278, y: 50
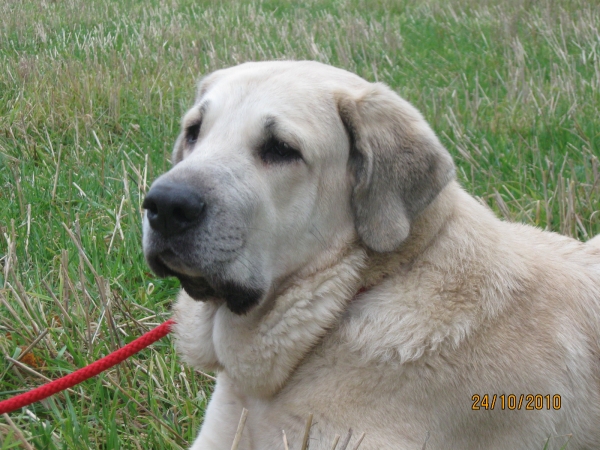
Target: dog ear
x: 398, y: 163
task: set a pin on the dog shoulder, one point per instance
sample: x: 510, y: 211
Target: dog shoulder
x: 478, y: 272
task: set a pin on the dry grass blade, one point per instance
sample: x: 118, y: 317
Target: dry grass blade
x: 23, y: 300
x: 285, y: 442
x: 117, y: 226
x: 13, y: 313
x: 33, y: 344
x: 28, y: 230
x: 82, y: 254
x: 158, y: 419
x: 56, y: 301
x: 335, y: 441
x: 99, y: 283
x: 360, y: 439
x: 56, y: 173
x: 29, y: 370
x: 307, y: 432
x: 502, y: 206
x: 27, y: 350
x: 240, y: 429
x: 346, y: 440
x: 17, y: 432
x: 204, y: 374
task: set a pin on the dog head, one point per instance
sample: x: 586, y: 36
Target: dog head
x: 278, y: 165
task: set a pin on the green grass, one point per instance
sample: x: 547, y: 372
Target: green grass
x: 91, y: 94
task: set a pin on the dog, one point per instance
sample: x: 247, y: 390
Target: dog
x: 331, y: 264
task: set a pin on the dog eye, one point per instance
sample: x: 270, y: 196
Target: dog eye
x: 191, y: 134
x: 276, y: 151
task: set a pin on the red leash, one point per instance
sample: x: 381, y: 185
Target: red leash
x: 89, y: 371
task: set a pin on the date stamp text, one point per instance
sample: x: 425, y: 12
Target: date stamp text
x: 527, y: 402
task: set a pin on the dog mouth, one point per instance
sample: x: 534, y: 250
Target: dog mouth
x: 196, y: 286
x: 239, y: 299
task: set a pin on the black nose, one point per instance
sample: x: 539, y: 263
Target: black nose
x: 172, y: 208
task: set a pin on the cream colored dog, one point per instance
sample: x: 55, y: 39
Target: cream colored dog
x: 331, y: 265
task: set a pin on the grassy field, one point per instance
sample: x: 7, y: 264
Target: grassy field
x: 91, y: 93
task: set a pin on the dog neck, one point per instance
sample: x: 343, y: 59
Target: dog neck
x: 424, y: 229
x: 260, y: 350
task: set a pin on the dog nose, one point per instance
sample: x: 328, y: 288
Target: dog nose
x: 173, y: 208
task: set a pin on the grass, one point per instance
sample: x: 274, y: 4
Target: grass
x: 90, y: 99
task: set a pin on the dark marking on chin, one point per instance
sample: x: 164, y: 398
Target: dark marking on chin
x: 197, y: 287
x: 239, y: 299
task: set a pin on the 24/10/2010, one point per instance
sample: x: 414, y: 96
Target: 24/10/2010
x: 528, y: 402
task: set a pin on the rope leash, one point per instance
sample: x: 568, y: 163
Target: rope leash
x: 87, y: 372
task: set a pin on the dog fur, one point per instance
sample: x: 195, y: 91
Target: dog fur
x: 377, y: 294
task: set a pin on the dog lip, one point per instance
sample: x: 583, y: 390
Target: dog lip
x: 196, y: 286
x: 239, y: 299
x: 159, y: 267
x: 164, y: 264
